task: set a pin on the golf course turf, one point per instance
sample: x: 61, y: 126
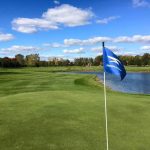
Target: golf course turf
x: 42, y: 109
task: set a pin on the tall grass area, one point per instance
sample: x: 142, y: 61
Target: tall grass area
x: 46, y: 109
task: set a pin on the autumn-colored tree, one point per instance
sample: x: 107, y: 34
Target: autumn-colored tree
x: 32, y: 60
x: 20, y: 59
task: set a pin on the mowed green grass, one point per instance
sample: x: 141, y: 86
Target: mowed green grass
x: 41, y: 109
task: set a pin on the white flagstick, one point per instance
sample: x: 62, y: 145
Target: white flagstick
x: 105, y: 106
x: 106, y: 111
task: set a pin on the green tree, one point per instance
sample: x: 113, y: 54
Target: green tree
x: 98, y: 60
x: 145, y: 59
x: 137, y: 60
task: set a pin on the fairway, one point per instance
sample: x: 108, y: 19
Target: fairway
x: 41, y: 109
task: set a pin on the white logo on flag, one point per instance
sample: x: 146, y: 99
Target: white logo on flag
x: 114, y: 60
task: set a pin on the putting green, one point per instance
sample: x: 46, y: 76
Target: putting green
x: 51, y: 120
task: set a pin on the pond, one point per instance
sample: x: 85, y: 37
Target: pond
x: 138, y: 83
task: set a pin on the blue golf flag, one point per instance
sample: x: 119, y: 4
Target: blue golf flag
x: 112, y: 64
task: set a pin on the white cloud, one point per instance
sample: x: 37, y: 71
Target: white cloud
x: 96, y: 49
x: 129, y: 53
x: 90, y: 41
x: 54, y: 18
x: 54, y: 45
x: 113, y: 48
x: 123, y: 39
x: 56, y: 2
x: 68, y: 15
x: 27, y: 25
x: 74, y: 51
x: 140, y: 3
x: 107, y: 20
x: 6, y: 37
x: 145, y: 48
x: 73, y: 42
x: 98, y: 40
x: 133, y: 39
x: 15, y: 49
x: 60, y: 57
x: 120, y: 39
x: 100, y: 53
x: 51, y: 57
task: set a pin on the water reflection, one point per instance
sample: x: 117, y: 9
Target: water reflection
x: 132, y: 83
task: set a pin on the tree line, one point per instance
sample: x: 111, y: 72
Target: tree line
x: 33, y: 60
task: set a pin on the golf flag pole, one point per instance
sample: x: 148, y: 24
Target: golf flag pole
x: 106, y: 121
x: 113, y: 65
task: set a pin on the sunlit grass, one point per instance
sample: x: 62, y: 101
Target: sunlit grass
x: 41, y: 109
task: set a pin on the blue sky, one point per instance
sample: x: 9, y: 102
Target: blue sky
x: 74, y: 28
